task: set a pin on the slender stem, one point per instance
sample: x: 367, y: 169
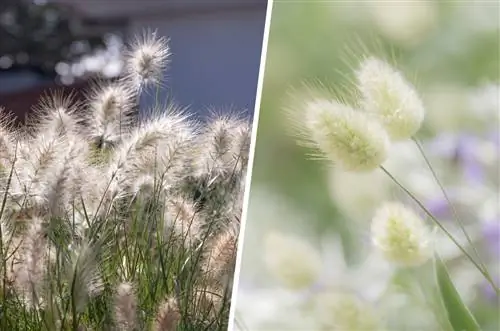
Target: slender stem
x: 448, y: 234
x: 3, y: 249
x: 451, y: 205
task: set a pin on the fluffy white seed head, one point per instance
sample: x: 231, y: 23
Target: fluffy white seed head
x: 29, y: 269
x: 85, y: 275
x: 147, y: 59
x: 157, y: 147
x: 109, y: 115
x: 218, y: 262
x: 7, y: 139
x: 292, y: 261
x: 401, y: 235
x: 223, y: 146
x: 390, y: 97
x: 183, y: 220
x: 56, y: 115
x: 343, y: 135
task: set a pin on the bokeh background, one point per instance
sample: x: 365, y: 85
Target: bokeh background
x: 450, y: 50
x: 216, y: 48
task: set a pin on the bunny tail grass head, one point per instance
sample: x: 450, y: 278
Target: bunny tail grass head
x: 401, y: 235
x: 390, y: 97
x: 338, y: 132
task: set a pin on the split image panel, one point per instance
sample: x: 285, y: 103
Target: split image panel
x: 373, y: 200
x: 124, y: 145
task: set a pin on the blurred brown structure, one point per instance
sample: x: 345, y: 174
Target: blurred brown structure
x: 22, y: 102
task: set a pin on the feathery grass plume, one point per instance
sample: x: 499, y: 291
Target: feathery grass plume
x: 167, y: 316
x: 143, y: 187
x: 183, y: 220
x: 147, y: 58
x: 218, y: 167
x: 390, y: 97
x: 125, y: 307
x: 208, y: 300
x: 97, y: 192
x: 401, y: 235
x: 63, y: 185
x: 223, y: 144
x: 146, y: 137
x: 338, y: 132
x: 291, y: 260
x: 56, y: 115
x: 84, y: 275
x: 138, y: 142
x: 336, y: 310
x: 7, y: 140
x: 37, y: 157
x: 109, y: 114
x: 80, y: 180
x: 157, y: 149
x: 219, y: 259
x: 48, y: 173
x: 167, y: 138
x: 241, y: 145
x: 29, y: 267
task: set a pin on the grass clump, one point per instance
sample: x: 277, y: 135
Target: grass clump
x: 111, y: 222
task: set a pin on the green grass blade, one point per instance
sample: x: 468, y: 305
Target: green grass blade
x: 459, y: 315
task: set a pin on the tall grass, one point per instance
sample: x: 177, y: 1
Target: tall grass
x: 111, y: 222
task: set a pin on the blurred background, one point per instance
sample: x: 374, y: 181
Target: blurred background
x: 450, y: 51
x: 216, y: 48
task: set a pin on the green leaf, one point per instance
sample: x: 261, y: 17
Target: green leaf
x: 459, y: 315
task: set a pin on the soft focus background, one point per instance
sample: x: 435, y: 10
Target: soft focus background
x: 216, y: 47
x: 450, y: 51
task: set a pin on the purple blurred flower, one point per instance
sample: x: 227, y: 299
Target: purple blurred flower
x: 462, y: 148
x: 489, y: 292
x: 466, y: 156
x: 494, y: 136
x: 491, y: 234
x: 439, y: 207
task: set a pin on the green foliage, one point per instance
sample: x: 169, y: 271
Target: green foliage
x: 458, y: 314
